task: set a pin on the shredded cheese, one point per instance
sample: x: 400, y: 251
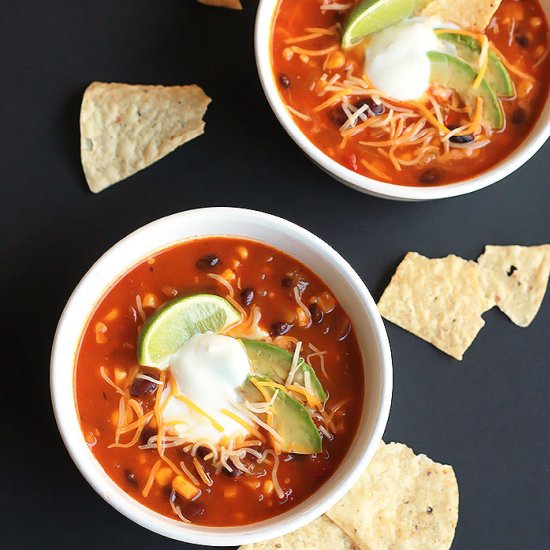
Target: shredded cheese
x: 483, y: 61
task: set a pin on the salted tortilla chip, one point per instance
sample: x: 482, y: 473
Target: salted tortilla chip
x: 515, y: 278
x: 321, y: 534
x: 125, y: 128
x: 440, y: 301
x: 402, y: 501
x: 472, y: 15
x: 231, y: 4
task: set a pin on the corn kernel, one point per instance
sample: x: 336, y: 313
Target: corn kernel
x: 243, y: 252
x: 120, y: 374
x: 326, y: 302
x: 288, y: 54
x: 164, y: 476
x: 90, y: 438
x: 228, y: 275
x: 268, y: 487
x: 184, y: 487
x: 524, y: 88
x: 335, y: 60
x: 303, y: 319
x: 151, y: 261
x: 112, y: 315
x: 535, y: 22
x: 539, y: 50
x: 150, y: 300
x: 230, y: 492
x: 304, y: 58
x: 100, y: 330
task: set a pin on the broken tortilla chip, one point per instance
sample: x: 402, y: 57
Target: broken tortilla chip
x: 321, y: 534
x: 403, y: 500
x: 231, y: 4
x: 125, y: 128
x: 472, y: 15
x: 515, y: 278
x: 440, y: 301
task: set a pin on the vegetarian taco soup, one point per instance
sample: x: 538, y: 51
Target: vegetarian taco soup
x: 219, y: 382
x: 413, y: 92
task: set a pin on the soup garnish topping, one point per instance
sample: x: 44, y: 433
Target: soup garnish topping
x: 393, y: 88
x: 217, y: 406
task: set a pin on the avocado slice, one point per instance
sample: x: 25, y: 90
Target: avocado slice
x: 454, y: 73
x: 468, y: 49
x: 290, y: 419
x: 275, y: 362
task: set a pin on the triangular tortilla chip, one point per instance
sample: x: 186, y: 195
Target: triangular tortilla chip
x: 472, y: 15
x: 125, y: 128
x: 515, y: 278
x: 321, y: 534
x: 231, y: 4
x: 440, y: 301
x: 403, y: 500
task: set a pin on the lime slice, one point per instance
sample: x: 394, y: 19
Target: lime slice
x: 175, y: 322
x: 374, y: 15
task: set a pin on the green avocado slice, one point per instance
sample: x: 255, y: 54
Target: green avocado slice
x: 291, y: 419
x: 454, y: 73
x: 468, y: 49
x: 275, y: 362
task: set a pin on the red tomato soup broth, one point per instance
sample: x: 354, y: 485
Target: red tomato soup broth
x: 106, y: 366
x: 311, y: 68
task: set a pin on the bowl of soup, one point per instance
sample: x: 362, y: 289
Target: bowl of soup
x: 221, y: 376
x: 426, y: 100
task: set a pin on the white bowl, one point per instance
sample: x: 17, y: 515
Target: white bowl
x: 535, y: 140
x: 283, y: 235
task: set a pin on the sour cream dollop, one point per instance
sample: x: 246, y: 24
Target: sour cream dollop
x: 395, y: 58
x: 208, y: 369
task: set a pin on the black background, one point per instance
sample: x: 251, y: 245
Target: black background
x: 487, y: 416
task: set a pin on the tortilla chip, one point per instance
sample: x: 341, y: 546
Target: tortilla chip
x: 515, y: 278
x: 125, y: 128
x: 440, y: 301
x: 472, y: 15
x: 321, y: 534
x: 231, y: 4
x: 402, y: 501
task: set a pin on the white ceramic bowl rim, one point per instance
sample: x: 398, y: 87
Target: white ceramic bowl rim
x: 159, y: 235
x: 535, y: 140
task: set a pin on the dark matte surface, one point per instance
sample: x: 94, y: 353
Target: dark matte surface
x: 487, y: 416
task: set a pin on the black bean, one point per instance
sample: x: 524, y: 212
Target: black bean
x: 146, y: 434
x: 203, y: 451
x: 317, y: 314
x: 247, y: 295
x: 519, y: 116
x: 376, y: 109
x: 193, y: 509
x: 131, y: 477
x: 284, y: 80
x: 522, y: 41
x: 141, y: 387
x: 286, y: 282
x: 208, y: 262
x: 278, y: 329
x: 338, y: 116
x: 462, y: 139
x: 234, y: 473
x: 430, y: 175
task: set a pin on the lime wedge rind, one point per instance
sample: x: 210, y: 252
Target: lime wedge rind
x: 176, y: 321
x: 370, y: 16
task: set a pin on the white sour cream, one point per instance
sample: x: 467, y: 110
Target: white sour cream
x: 208, y: 369
x: 396, y: 61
